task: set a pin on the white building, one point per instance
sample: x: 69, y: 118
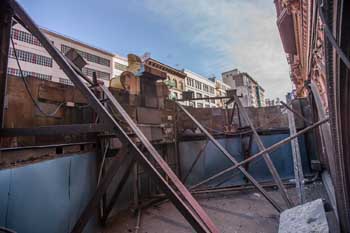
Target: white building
x: 35, y: 61
x: 120, y: 64
x: 202, y: 87
x: 252, y: 93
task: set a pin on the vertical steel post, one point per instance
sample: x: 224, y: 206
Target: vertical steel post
x: 5, y: 33
x: 298, y: 169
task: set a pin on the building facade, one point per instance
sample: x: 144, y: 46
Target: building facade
x: 35, y: 60
x: 220, y: 90
x: 201, y: 87
x: 120, y: 64
x: 175, y: 78
x: 250, y: 92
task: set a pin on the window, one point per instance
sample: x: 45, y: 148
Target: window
x: 198, y: 85
x: 66, y: 81
x: 99, y: 74
x: 31, y: 57
x: 181, y: 86
x: 199, y: 105
x: 205, y: 88
x: 119, y: 66
x: 25, y: 37
x: 88, y: 56
x: 207, y: 106
x: 206, y: 96
x: 211, y: 90
x: 16, y: 72
x: 199, y: 95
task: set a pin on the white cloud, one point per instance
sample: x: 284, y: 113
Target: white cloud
x: 239, y: 33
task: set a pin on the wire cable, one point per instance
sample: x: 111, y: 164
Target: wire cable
x: 36, y: 104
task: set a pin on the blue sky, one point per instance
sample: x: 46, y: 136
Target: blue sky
x: 205, y: 36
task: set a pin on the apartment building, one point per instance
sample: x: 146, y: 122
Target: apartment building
x: 252, y: 94
x: 35, y: 61
x: 175, y: 78
x: 202, y: 87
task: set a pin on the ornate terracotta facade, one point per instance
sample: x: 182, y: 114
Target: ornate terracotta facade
x: 302, y: 36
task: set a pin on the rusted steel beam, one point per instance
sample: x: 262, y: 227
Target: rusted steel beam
x: 296, y: 113
x: 268, y: 149
x: 189, y: 207
x: 232, y: 159
x: 195, y: 161
x: 328, y: 143
x: 205, y: 98
x: 266, y: 155
x: 163, y: 166
x: 54, y: 130
x: 117, y: 166
x: 5, y: 33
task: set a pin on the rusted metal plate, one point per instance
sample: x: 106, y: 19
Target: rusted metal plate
x: 51, y: 93
x: 148, y: 116
x: 152, y: 133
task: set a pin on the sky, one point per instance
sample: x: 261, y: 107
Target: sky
x: 205, y: 36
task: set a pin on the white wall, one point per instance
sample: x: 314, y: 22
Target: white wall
x: 202, y: 80
x: 54, y: 71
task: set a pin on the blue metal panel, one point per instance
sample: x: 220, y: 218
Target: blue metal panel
x: 39, y: 199
x: 282, y: 159
x: 216, y: 160
x: 213, y: 161
x: 82, y: 185
x: 5, y: 178
x: 48, y: 196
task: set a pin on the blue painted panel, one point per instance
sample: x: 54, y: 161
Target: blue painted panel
x: 282, y: 159
x: 48, y: 196
x: 5, y: 177
x: 213, y: 161
x: 39, y: 198
x: 82, y: 185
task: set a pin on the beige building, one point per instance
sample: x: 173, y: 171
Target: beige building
x: 175, y: 78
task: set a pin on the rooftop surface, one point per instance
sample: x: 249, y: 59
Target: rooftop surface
x: 235, y: 212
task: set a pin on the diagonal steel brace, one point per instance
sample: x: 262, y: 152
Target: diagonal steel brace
x: 231, y: 158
